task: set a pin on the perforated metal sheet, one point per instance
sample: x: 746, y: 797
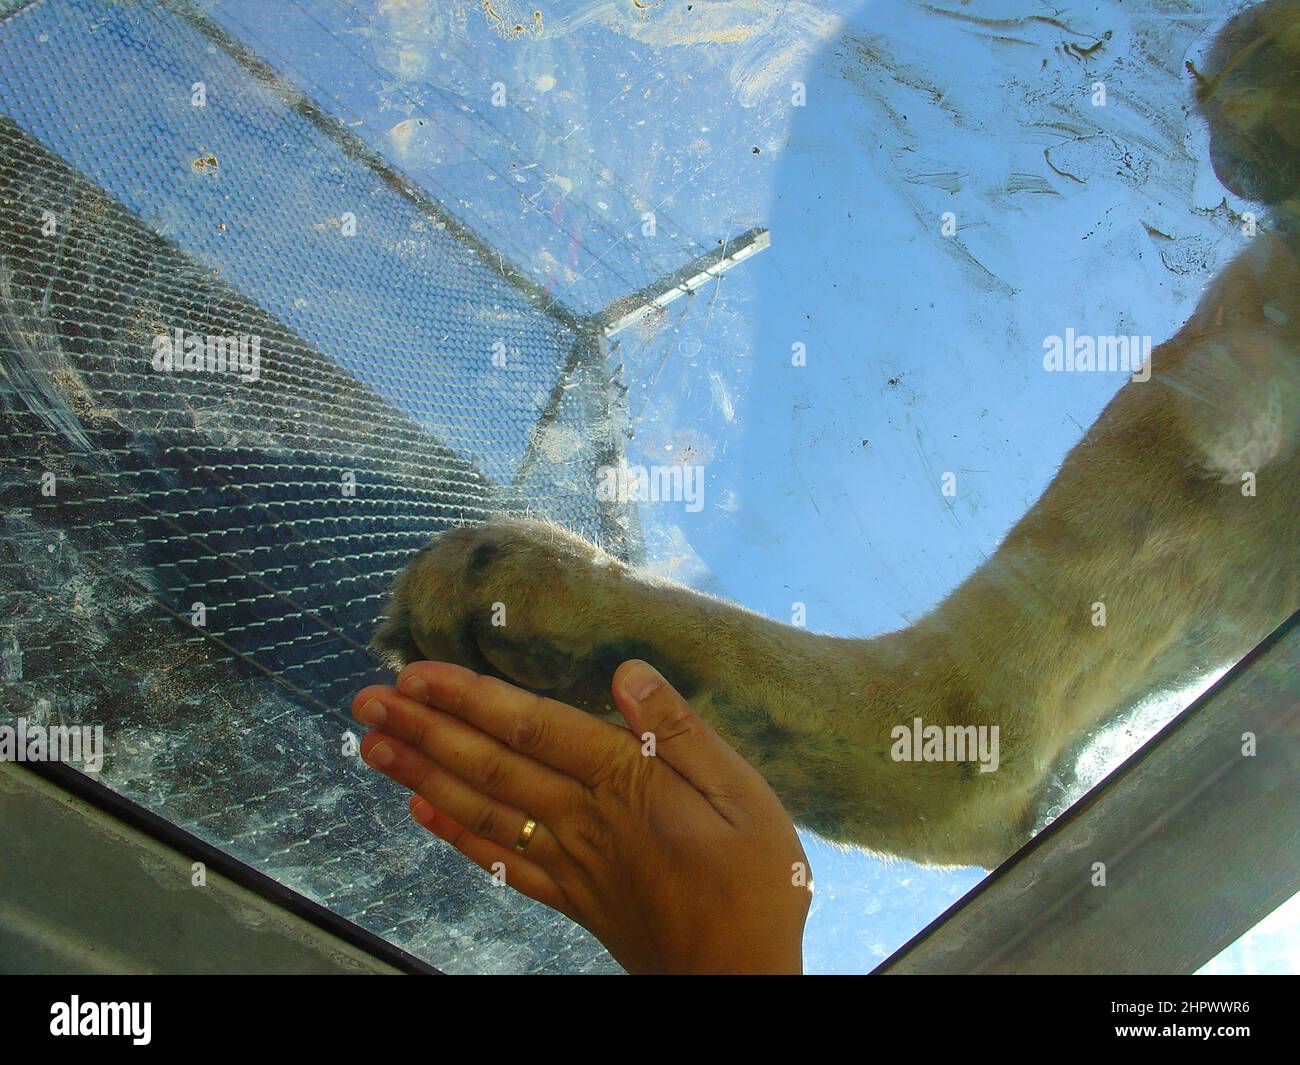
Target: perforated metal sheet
x: 194, y: 560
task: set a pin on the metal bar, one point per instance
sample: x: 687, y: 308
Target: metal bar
x: 659, y: 294
x: 563, y: 382
x: 620, y: 523
x: 588, y: 345
x: 1199, y: 840
x: 587, y: 368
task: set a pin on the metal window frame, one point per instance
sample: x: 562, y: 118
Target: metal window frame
x: 171, y: 838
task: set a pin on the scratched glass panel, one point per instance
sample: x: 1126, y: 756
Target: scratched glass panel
x: 941, y: 188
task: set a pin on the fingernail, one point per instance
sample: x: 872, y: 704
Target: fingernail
x: 421, y: 811
x: 373, y: 713
x: 641, y: 680
x: 381, y: 755
x: 415, y: 688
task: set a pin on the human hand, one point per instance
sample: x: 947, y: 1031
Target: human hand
x: 658, y: 838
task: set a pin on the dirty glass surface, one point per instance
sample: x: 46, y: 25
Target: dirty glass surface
x: 516, y: 169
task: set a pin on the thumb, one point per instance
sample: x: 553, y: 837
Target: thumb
x: 684, y: 740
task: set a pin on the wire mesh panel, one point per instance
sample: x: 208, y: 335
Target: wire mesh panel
x: 244, y: 377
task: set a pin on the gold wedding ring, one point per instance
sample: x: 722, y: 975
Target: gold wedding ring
x: 530, y: 826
